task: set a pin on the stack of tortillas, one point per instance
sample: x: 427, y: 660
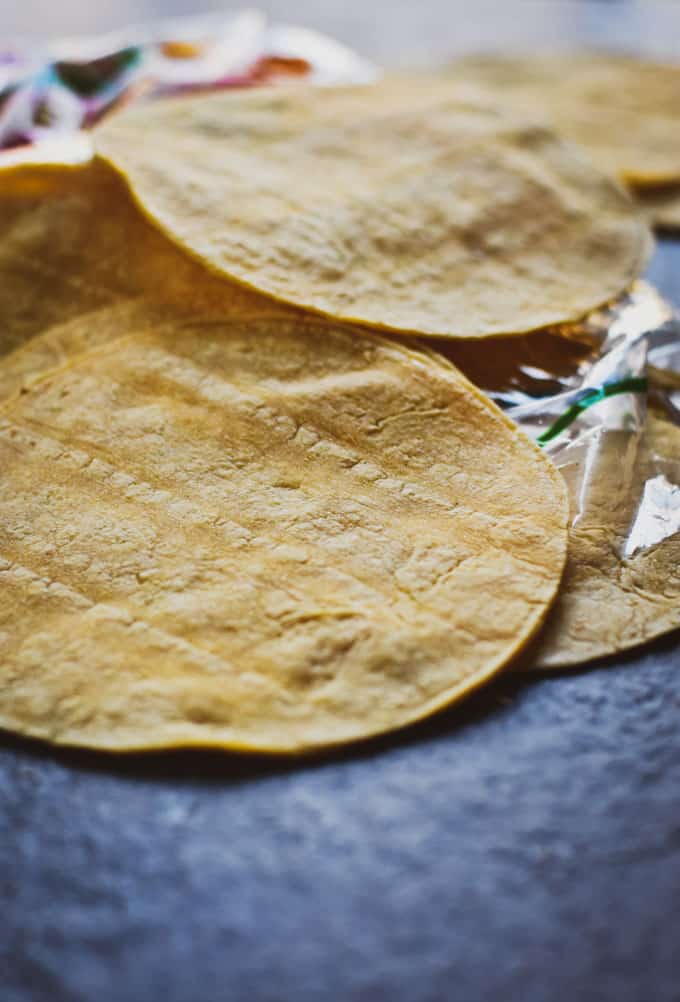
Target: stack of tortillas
x: 622, y: 111
x: 236, y: 510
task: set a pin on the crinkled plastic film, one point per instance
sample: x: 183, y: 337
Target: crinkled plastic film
x: 626, y: 359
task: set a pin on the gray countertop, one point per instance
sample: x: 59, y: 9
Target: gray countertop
x: 523, y: 847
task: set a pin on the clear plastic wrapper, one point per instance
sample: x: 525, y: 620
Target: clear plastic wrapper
x: 597, y: 422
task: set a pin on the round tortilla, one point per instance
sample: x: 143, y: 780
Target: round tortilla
x: 270, y: 536
x: 397, y: 205
x: 73, y: 245
x: 624, y: 111
x: 611, y: 600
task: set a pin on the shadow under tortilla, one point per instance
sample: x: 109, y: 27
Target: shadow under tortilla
x: 214, y: 767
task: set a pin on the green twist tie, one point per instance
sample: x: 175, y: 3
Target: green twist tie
x: 632, y: 384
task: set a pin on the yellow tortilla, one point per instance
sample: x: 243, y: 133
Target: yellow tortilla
x: 72, y: 245
x: 55, y: 254
x: 613, y: 597
x: 624, y: 111
x: 267, y: 535
x: 396, y: 205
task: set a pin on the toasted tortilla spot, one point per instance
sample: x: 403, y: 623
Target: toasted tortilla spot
x: 398, y: 205
x: 267, y: 535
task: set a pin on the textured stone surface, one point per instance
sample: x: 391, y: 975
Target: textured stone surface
x: 523, y: 848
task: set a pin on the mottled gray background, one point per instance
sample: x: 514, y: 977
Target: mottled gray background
x: 524, y: 847
x: 393, y: 30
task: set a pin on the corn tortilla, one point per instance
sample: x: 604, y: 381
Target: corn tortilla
x: 56, y: 259
x: 266, y: 535
x: 72, y: 246
x: 623, y: 110
x: 611, y: 600
x: 397, y: 205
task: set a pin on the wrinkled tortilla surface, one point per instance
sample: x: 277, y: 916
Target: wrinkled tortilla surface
x: 262, y: 535
x: 397, y: 206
